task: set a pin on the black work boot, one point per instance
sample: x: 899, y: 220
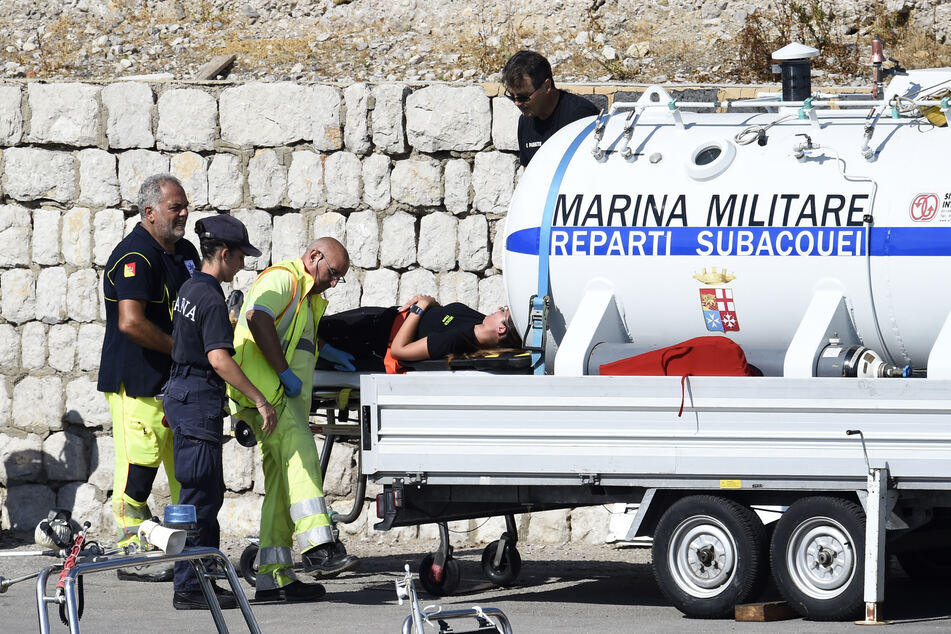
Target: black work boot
x: 196, y: 600
x: 294, y: 592
x: 328, y: 559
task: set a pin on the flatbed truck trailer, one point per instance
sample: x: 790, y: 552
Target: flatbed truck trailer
x: 859, y: 468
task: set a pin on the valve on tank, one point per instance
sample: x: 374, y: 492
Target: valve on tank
x: 626, y: 151
x: 856, y: 361
x: 867, y: 151
x: 879, y: 72
x: 596, y: 150
x: 878, y: 58
x: 799, y: 150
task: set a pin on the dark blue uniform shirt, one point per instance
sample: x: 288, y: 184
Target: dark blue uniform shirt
x: 195, y: 394
x: 201, y: 323
x: 139, y: 268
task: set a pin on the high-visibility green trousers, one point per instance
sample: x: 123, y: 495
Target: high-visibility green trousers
x: 294, y: 506
x: 141, y: 443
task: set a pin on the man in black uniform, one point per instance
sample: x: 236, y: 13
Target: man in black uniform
x: 195, y: 394
x: 141, y: 280
x: 545, y: 109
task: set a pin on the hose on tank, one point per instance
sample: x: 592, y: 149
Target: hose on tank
x: 868, y: 220
x: 749, y: 134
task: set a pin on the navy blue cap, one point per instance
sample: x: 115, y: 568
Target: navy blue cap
x: 229, y: 230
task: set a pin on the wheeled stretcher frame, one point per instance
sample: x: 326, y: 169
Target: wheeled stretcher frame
x: 335, y: 396
x: 102, y: 564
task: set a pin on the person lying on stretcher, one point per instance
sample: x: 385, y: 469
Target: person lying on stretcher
x: 379, y: 338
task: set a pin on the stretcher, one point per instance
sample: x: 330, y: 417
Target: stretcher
x: 335, y: 405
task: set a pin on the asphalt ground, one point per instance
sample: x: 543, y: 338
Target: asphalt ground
x: 572, y: 588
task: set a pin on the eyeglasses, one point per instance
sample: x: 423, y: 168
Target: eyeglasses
x: 523, y: 98
x: 333, y: 274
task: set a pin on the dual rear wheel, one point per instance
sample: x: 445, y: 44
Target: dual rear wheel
x: 712, y: 553
x: 709, y: 555
x: 818, y: 558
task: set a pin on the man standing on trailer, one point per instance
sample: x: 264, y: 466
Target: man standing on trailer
x: 276, y: 345
x: 545, y: 109
x: 140, y: 283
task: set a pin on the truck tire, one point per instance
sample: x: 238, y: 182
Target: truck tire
x: 818, y: 558
x: 709, y: 554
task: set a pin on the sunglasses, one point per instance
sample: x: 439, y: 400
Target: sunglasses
x: 522, y: 98
x: 333, y: 274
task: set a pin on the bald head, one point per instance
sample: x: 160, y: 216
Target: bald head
x: 327, y: 261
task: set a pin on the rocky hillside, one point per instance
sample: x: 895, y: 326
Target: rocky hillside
x: 405, y: 40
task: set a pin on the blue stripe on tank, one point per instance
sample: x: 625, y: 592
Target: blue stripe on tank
x: 734, y: 241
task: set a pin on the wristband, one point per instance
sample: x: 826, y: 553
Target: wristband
x: 416, y: 309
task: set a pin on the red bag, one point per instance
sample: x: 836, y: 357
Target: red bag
x: 702, y: 356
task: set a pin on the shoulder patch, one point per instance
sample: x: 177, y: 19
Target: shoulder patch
x: 128, y: 270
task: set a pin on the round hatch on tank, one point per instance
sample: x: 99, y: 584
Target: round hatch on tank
x: 710, y: 159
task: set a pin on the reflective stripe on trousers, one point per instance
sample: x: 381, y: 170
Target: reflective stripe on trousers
x: 131, y: 512
x: 310, y: 506
x: 275, y: 568
x: 275, y: 555
x: 314, y: 537
x: 316, y: 509
x: 293, y: 496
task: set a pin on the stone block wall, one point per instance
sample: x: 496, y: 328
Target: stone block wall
x: 414, y: 179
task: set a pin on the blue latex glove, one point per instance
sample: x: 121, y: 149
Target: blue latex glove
x: 292, y: 384
x: 342, y: 360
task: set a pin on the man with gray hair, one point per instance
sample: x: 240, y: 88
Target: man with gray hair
x: 140, y: 284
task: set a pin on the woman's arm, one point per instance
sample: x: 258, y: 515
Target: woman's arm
x: 231, y: 372
x: 405, y: 346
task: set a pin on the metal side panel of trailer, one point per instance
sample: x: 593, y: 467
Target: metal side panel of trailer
x: 835, y: 451
x: 482, y: 429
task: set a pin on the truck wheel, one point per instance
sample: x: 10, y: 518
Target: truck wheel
x: 249, y: 569
x: 509, y: 566
x: 709, y: 555
x: 439, y: 582
x: 818, y: 558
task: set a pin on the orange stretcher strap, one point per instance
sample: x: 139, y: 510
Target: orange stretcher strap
x: 391, y: 364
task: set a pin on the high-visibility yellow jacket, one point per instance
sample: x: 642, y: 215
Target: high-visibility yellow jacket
x: 283, y: 291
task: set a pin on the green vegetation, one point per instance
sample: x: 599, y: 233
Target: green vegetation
x: 843, y: 48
